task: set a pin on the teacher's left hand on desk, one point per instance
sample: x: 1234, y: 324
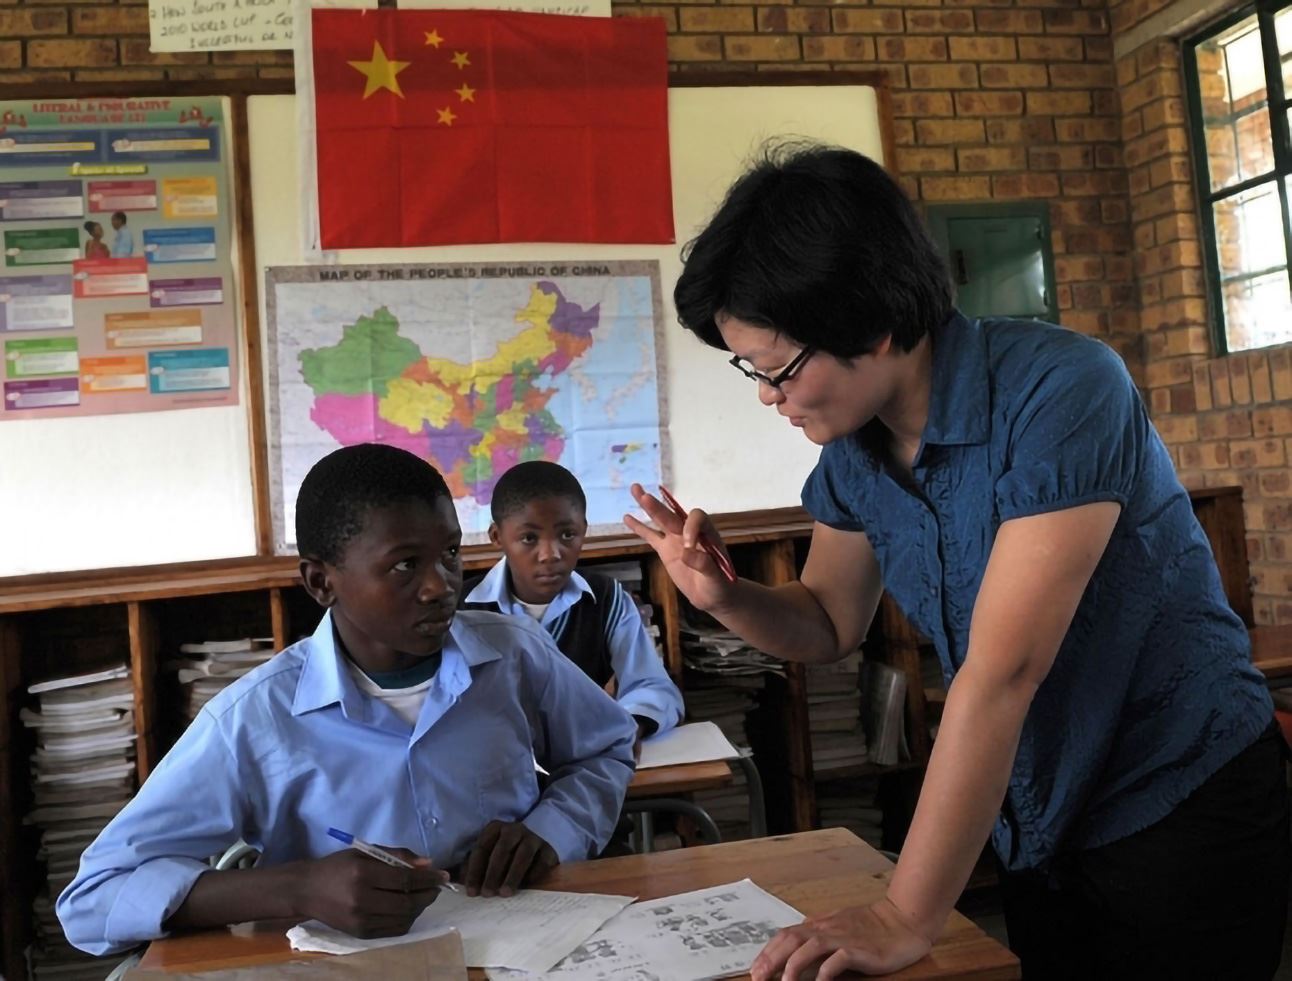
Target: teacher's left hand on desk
x: 875, y: 939
x: 506, y: 855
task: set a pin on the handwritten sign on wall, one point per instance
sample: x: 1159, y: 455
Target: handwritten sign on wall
x: 220, y: 25
x: 259, y: 25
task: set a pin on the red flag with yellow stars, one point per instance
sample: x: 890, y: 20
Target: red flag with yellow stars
x: 440, y: 127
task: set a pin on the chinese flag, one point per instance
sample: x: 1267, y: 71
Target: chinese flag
x: 439, y: 127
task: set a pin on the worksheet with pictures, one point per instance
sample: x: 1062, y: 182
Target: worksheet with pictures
x: 117, y: 291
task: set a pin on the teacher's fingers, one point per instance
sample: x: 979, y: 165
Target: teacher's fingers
x: 651, y: 535
x: 659, y: 512
x: 697, y: 523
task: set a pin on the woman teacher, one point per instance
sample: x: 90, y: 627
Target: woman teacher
x: 1002, y: 480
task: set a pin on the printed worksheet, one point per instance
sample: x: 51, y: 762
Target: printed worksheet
x: 710, y: 933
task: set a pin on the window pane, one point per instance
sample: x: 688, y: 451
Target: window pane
x: 1253, y: 268
x: 1231, y: 82
x: 1283, y: 31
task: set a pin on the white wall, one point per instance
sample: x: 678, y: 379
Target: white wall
x: 728, y: 452
x: 175, y: 486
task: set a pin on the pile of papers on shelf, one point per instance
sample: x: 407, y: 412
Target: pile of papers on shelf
x: 725, y: 701
x: 714, y: 650
x: 834, y: 715
x: 204, y: 670
x: 629, y: 575
x: 83, y: 773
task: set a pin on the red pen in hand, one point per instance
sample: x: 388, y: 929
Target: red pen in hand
x: 715, y: 553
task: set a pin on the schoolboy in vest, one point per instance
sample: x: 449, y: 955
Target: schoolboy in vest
x: 539, y: 522
x: 400, y: 721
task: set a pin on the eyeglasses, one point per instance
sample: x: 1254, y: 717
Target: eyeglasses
x: 782, y: 376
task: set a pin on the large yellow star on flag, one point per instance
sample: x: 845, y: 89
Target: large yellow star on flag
x: 466, y: 93
x: 380, y: 72
x: 446, y: 116
x: 461, y: 59
x: 433, y: 38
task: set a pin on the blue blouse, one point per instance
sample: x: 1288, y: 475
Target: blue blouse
x: 1152, y: 690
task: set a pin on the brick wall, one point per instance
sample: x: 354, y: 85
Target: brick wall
x: 1227, y: 420
x: 992, y: 99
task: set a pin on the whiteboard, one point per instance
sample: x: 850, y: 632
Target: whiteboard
x: 176, y: 486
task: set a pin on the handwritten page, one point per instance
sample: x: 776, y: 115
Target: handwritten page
x: 220, y: 25
x: 698, y: 742
x: 695, y: 936
x: 433, y: 959
x: 530, y: 931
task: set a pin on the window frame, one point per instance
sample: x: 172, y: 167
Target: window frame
x: 1278, y: 105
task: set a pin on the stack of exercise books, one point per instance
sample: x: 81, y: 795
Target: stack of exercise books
x: 205, y: 669
x: 853, y: 804
x: 834, y: 715
x: 83, y: 773
x: 724, y: 679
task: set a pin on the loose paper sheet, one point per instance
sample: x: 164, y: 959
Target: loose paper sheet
x: 699, y: 742
x: 530, y: 931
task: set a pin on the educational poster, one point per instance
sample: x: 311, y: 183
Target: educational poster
x: 116, y: 292
x: 473, y: 367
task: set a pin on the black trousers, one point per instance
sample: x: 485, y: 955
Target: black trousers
x: 1202, y: 894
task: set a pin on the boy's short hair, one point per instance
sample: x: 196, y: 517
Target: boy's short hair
x: 534, y: 481
x: 820, y: 244
x: 119, y: 215
x: 339, y: 491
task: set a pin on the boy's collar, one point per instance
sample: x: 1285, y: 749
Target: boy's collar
x: 495, y: 587
x: 325, y: 681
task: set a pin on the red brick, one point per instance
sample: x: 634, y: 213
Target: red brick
x: 694, y: 48
x: 841, y: 48
x: 32, y: 22
x: 1013, y: 76
x: 949, y: 131
x: 762, y: 47
x: 938, y: 21
x: 955, y: 188
x: 922, y: 105
x: 911, y: 48
x: 992, y: 158
x: 66, y: 53
x: 937, y: 76
x: 1010, y: 21
x: 918, y: 160
x: 1049, y: 49
x: 989, y: 103
x: 110, y: 21
x: 1026, y: 186
x: 984, y: 47
x: 794, y: 20
x: 1058, y: 103
x: 863, y: 21
x: 716, y: 19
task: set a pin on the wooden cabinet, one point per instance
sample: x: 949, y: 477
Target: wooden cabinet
x: 58, y: 625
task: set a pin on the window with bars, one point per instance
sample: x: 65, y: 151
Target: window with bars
x: 1238, y: 73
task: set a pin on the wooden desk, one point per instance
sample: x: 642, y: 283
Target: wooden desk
x: 815, y: 872
x: 669, y: 781
x: 1272, y: 654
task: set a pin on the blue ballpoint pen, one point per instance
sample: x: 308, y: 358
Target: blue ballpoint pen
x: 380, y: 854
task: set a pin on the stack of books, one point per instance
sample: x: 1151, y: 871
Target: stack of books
x: 205, y: 669
x: 834, y: 715
x: 83, y: 773
x: 723, y: 682
x: 852, y: 804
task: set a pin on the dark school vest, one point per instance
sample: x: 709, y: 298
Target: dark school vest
x: 582, y: 632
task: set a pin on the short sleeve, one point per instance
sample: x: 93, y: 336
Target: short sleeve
x: 1077, y: 437
x: 832, y: 487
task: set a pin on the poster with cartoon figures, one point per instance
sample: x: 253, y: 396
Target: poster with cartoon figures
x: 116, y: 291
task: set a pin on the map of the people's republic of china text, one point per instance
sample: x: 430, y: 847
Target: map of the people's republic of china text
x: 474, y: 368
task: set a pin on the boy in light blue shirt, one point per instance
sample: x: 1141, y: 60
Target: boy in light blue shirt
x: 539, y: 522
x: 400, y: 721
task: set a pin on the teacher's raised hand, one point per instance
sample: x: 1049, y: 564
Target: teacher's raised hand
x: 679, y: 542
